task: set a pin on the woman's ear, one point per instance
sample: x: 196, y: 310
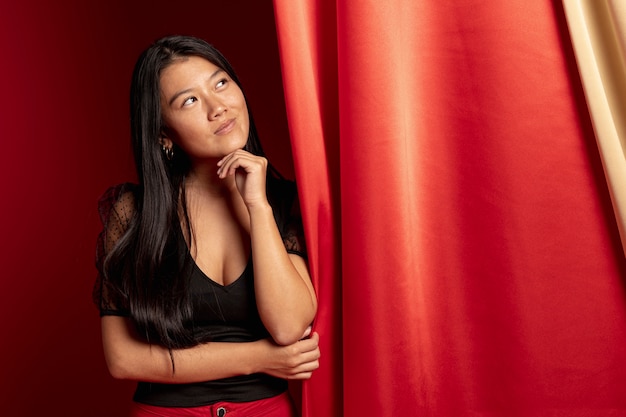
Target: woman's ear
x: 165, y: 142
x: 167, y: 146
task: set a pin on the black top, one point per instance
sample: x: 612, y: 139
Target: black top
x: 221, y: 313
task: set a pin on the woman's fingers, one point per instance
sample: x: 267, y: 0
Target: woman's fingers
x: 307, y: 332
x: 241, y: 159
x: 249, y: 171
x: 296, y: 361
x: 308, y: 358
x: 304, y: 370
x: 310, y: 343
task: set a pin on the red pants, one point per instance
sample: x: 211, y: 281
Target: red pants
x: 279, y: 406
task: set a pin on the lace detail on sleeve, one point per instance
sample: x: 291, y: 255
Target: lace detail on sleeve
x: 117, y: 209
x: 293, y: 231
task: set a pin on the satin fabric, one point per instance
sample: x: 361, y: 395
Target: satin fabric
x: 462, y: 237
x: 598, y: 32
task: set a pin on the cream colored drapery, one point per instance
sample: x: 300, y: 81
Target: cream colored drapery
x: 598, y: 33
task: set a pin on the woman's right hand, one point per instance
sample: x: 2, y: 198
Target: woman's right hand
x: 295, y: 361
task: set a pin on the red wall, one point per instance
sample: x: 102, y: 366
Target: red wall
x: 64, y: 80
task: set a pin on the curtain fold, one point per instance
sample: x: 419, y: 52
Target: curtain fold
x: 308, y: 58
x: 598, y: 31
x: 462, y: 236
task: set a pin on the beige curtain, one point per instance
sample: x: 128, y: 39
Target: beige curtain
x: 598, y: 32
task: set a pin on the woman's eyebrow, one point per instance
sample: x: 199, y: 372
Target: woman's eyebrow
x: 187, y: 90
x: 178, y: 94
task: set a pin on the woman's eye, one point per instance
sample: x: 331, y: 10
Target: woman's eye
x: 189, y: 101
x: 221, y: 82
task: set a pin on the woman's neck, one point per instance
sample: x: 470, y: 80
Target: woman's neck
x: 204, y: 179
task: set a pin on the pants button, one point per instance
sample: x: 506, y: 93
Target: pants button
x: 221, y: 412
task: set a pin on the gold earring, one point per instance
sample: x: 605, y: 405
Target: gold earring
x: 169, y: 153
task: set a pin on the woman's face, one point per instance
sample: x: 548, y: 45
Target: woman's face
x: 203, y: 109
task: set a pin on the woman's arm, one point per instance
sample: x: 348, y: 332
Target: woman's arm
x: 284, y: 293
x: 128, y: 357
x: 285, y: 296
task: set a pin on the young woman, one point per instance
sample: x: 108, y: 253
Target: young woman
x: 203, y: 288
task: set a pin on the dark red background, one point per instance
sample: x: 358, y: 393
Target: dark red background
x: 64, y: 79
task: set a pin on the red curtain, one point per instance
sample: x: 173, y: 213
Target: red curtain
x: 461, y: 234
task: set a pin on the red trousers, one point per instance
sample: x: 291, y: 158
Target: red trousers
x: 279, y: 406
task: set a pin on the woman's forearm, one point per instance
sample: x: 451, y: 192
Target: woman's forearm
x: 130, y: 358
x: 285, y: 296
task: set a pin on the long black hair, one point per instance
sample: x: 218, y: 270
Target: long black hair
x: 148, y: 262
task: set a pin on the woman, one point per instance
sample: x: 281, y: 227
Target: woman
x: 203, y: 288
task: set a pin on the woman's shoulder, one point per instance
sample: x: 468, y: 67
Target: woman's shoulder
x: 119, y: 199
x: 117, y: 190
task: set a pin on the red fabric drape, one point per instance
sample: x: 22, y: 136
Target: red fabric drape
x: 461, y: 235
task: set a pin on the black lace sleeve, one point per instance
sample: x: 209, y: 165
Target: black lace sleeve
x: 293, y: 232
x: 287, y: 211
x: 117, y: 209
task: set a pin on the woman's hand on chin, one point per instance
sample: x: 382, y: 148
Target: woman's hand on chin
x: 250, y: 172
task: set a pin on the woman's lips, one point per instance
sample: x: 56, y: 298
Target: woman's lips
x: 225, y: 127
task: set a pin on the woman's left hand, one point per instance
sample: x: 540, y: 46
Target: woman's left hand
x: 249, y: 171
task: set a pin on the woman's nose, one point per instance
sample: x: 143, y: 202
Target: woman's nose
x: 216, y: 109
